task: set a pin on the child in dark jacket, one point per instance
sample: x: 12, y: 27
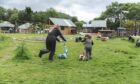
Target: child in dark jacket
x: 88, y: 46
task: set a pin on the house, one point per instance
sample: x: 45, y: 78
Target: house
x: 66, y: 25
x: 121, y: 31
x: 25, y: 28
x: 7, y: 27
x: 95, y: 26
x: 88, y: 28
x: 106, y: 33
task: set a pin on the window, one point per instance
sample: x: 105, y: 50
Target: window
x: 62, y: 28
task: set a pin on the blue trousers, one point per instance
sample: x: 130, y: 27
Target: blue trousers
x: 88, y: 52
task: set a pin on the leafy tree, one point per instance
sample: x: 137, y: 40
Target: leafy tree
x: 25, y: 15
x: 63, y: 15
x: 134, y: 12
x: 14, y: 18
x: 74, y: 19
x: 36, y: 17
x: 129, y: 24
x: 2, y: 13
x: 28, y: 13
x: 79, y: 25
x: 51, y: 12
x: 21, y: 17
x: 8, y: 14
x: 116, y: 9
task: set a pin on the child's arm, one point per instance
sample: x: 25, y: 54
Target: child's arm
x: 83, y: 40
x: 92, y: 43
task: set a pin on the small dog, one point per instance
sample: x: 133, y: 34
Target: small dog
x: 82, y: 56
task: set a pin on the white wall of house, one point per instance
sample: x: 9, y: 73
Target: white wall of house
x: 23, y: 31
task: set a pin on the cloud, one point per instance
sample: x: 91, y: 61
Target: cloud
x: 126, y: 1
x: 83, y: 9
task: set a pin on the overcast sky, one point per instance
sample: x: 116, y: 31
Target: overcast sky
x: 84, y: 9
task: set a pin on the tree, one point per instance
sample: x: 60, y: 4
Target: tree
x: 79, y: 25
x: 2, y: 13
x: 36, y: 17
x: 14, y: 18
x: 51, y: 12
x: 25, y: 15
x: 28, y: 13
x: 129, y: 24
x: 134, y: 12
x: 21, y: 17
x: 63, y: 15
x: 74, y: 19
x: 117, y: 11
x: 8, y: 14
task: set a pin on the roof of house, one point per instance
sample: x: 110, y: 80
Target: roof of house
x: 6, y: 24
x: 96, y: 24
x: 99, y: 23
x: 121, y: 28
x: 25, y: 26
x: 106, y: 30
x: 62, y: 22
x: 88, y: 25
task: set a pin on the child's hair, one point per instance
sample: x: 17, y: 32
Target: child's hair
x: 88, y: 36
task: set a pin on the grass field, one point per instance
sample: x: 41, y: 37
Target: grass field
x: 115, y: 61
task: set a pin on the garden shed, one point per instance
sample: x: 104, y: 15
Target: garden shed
x: 121, y: 31
x: 7, y: 27
x: 95, y: 26
x: 25, y: 28
x: 67, y: 26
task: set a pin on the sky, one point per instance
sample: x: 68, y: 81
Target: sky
x: 83, y: 9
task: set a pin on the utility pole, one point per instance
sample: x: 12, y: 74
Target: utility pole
x: 120, y: 15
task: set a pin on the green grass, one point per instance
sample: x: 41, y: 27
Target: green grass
x: 115, y: 61
x: 4, y: 41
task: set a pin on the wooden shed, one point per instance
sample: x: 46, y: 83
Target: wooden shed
x: 106, y: 33
x: 25, y: 28
x: 121, y: 31
x: 67, y: 26
x: 95, y: 26
x: 7, y: 27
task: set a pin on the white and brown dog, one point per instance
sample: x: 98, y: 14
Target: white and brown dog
x: 82, y: 56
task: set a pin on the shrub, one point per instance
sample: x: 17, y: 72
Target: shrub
x: 22, y: 52
x: 3, y: 38
x: 4, y: 41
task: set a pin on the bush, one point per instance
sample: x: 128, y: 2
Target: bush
x: 3, y: 38
x: 4, y: 41
x: 22, y: 52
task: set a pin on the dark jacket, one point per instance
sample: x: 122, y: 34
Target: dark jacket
x: 52, y: 37
x: 88, y: 43
x: 55, y: 33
